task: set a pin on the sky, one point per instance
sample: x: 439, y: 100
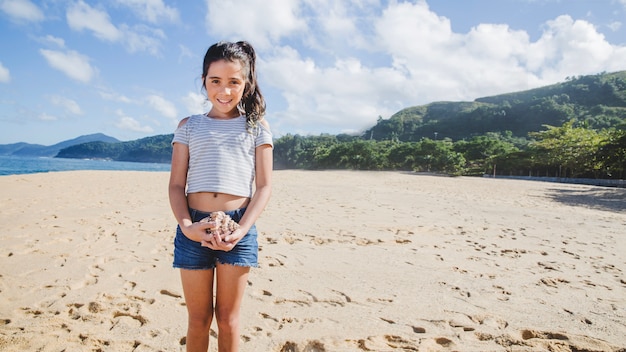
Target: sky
x: 131, y: 68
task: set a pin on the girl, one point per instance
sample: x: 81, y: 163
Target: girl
x: 221, y: 161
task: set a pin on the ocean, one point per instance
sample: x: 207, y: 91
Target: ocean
x: 12, y: 165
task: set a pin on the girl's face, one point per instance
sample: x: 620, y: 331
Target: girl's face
x: 225, y: 84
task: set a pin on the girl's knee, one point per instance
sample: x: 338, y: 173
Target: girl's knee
x: 227, y: 321
x: 200, y: 322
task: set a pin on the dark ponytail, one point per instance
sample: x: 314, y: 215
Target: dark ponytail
x: 252, y: 102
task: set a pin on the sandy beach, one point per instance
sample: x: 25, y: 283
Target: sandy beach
x: 350, y: 261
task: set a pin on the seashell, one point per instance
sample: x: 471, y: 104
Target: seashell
x: 223, y: 222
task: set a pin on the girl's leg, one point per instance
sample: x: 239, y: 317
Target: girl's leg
x: 231, y: 283
x: 198, y: 290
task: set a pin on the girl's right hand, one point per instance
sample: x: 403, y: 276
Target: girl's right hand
x: 197, y: 231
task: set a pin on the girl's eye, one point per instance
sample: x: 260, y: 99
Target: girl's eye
x: 215, y: 81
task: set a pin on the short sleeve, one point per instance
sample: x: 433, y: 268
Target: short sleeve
x: 264, y: 136
x: 181, y: 135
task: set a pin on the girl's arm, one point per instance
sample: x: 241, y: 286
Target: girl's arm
x: 178, y: 197
x: 263, y: 182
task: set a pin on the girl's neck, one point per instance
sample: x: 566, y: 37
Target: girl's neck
x: 220, y: 116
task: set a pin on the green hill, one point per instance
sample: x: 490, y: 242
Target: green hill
x: 27, y: 149
x: 155, y: 149
x: 596, y: 101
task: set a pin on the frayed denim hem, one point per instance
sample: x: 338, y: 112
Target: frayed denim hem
x: 242, y: 264
x: 193, y: 268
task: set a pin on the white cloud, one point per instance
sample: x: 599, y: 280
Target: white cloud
x: 22, y: 10
x: 345, y: 94
x: 81, y: 16
x: 138, y: 38
x: 47, y: 117
x: 72, y: 63
x: 112, y: 96
x: 50, y: 39
x: 128, y: 123
x: 67, y: 104
x: 420, y: 59
x: 568, y: 47
x: 615, y: 25
x: 261, y: 22
x: 152, y: 10
x: 329, y: 23
x: 195, y: 103
x: 470, y: 65
x: 156, y: 102
x: 5, y: 75
x: 163, y: 106
x: 142, y: 38
x: 184, y: 52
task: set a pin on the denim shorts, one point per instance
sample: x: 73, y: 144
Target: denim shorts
x: 191, y: 255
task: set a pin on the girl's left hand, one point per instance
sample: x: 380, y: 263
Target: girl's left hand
x: 222, y: 241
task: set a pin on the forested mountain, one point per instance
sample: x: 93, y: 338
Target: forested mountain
x: 572, y: 129
x: 596, y: 101
x: 155, y: 149
x: 26, y: 149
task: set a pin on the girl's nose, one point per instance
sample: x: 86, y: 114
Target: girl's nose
x: 227, y: 91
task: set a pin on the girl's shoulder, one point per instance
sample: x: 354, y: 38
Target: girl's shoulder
x: 183, y: 121
x: 264, y: 123
x: 188, y: 119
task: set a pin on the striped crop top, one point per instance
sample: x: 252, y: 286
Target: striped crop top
x: 221, y: 153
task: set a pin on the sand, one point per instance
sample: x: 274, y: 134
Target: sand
x: 350, y: 261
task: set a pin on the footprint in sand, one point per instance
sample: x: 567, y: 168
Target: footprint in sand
x: 502, y: 293
x: 314, y: 346
x: 270, y: 318
x: 582, y: 319
x: 418, y: 329
x: 169, y: 293
x: 460, y: 291
x: 388, y: 321
x: 395, y: 341
x: 445, y: 342
x: 345, y: 296
x: 271, y: 240
x: 273, y: 261
x: 490, y: 321
x: 135, y: 317
x: 552, y: 282
x: 462, y: 321
x: 289, y: 346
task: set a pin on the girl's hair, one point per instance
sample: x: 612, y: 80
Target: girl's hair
x: 252, y: 101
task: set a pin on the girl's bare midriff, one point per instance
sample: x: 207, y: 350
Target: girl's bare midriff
x: 212, y: 201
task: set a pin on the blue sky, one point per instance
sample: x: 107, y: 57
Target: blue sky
x: 131, y: 68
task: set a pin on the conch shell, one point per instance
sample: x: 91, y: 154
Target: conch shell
x: 223, y: 223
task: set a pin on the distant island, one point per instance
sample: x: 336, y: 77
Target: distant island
x: 38, y: 150
x: 155, y: 149
x: 576, y: 128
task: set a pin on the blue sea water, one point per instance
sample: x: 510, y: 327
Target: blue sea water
x: 12, y: 165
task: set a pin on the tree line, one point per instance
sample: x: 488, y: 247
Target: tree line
x: 558, y: 151
x: 570, y: 150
